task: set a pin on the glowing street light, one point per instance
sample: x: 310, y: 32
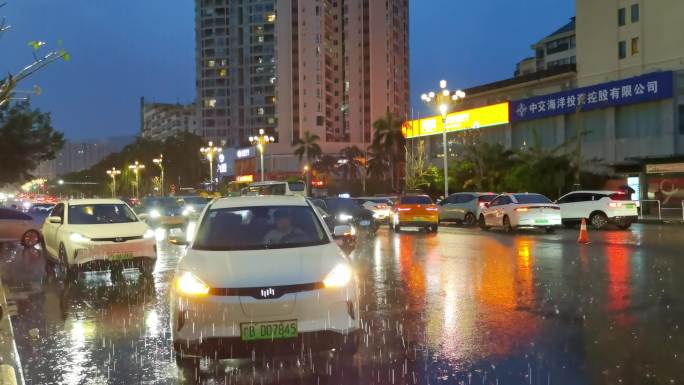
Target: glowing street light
x: 136, y: 167
x: 444, y: 101
x: 260, y: 143
x: 160, y: 162
x: 210, y: 151
x: 112, y: 173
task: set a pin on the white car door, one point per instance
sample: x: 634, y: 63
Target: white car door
x: 491, y: 212
x: 50, y: 229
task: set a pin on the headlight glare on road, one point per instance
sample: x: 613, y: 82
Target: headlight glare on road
x: 188, y: 210
x: 338, y: 277
x: 190, y: 285
x: 76, y: 237
x: 155, y: 214
x: 149, y: 234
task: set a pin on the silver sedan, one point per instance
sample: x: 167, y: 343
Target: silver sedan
x: 17, y: 226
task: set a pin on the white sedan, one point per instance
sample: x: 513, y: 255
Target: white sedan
x: 512, y: 211
x: 262, y: 276
x: 85, y: 234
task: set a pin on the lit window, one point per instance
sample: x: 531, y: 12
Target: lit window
x: 271, y: 17
x: 260, y: 110
x: 273, y: 80
x: 222, y: 73
x: 211, y: 63
x: 211, y: 103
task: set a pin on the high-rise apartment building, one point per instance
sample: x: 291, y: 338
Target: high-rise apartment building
x: 162, y: 120
x: 330, y: 67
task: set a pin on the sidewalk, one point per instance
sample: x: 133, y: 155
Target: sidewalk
x: 665, y: 221
x: 10, y: 366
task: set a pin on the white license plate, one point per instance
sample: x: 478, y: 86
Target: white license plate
x: 365, y: 223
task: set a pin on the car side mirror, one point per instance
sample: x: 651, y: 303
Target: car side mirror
x: 55, y: 220
x: 342, y: 231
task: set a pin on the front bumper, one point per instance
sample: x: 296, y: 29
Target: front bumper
x: 305, y: 343
x: 108, y: 253
x: 210, y: 325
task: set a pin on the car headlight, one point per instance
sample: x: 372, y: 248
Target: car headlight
x: 345, y: 217
x: 338, y: 276
x: 191, y: 285
x: 76, y: 237
x: 155, y: 213
x: 149, y: 234
x: 377, y: 215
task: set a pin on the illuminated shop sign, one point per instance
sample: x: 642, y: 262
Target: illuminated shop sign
x: 462, y: 120
x: 645, y: 88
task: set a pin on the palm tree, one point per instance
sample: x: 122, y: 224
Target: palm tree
x: 390, y: 140
x: 377, y: 163
x: 325, y: 166
x: 351, y: 164
x: 307, y: 147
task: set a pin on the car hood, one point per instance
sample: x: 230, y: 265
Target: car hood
x: 110, y: 230
x: 256, y: 268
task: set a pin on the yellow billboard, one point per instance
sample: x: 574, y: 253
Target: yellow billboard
x: 462, y: 120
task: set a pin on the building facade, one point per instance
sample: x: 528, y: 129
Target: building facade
x: 556, y: 49
x: 624, y: 99
x: 77, y: 156
x: 162, y: 120
x: 330, y: 67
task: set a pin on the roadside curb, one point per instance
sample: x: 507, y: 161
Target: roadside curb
x: 7, y: 375
x: 661, y: 222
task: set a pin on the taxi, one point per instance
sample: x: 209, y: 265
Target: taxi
x: 414, y: 211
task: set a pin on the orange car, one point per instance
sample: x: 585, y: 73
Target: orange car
x: 414, y: 211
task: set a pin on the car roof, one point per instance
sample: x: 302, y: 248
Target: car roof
x: 93, y: 201
x: 260, y: 200
x: 608, y: 192
x: 266, y: 183
x: 475, y: 193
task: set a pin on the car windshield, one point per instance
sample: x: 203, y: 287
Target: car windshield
x: 486, y: 198
x: 531, y: 198
x: 196, y: 201
x: 100, y: 214
x: 339, y: 205
x: 266, y: 189
x: 416, y: 200
x: 296, y: 186
x: 263, y: 227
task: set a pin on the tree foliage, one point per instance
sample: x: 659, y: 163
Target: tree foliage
x: 183, y: 166
x: 307, y: 147
x: 27, y: 138
x: 389, y: 145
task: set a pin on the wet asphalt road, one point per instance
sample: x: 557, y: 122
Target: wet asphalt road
x: 459, y: 307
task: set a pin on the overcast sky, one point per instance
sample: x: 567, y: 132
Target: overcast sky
x: 124, y: 49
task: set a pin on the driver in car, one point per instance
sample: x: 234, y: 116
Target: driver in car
x: 284, y: 232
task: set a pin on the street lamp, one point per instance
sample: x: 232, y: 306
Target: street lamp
x: 160, y: 162
x: 113, y: 173
x: 136, y: 167
x: 210, y: 151
x: 306, y: 178
x: 260, y: 142
x: 444, y: 101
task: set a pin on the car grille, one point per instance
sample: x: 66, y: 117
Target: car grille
x: 116, y: 239
x: 265, y: 292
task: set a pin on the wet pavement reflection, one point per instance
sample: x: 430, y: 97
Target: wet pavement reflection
x: 460, y: 306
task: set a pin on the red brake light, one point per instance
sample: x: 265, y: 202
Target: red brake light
x: 404, y: 209
x: 619, y: 196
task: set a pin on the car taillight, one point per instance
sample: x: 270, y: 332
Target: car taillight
x: 522, y: 209
x: 619, y: 197
x: 404, y: 209
x: 483, y: 204
x: 615, y: 204
x: 432, y: 209
x: 381, y: 207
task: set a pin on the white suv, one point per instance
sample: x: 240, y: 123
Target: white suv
x: 262, y: 276
x: 599, y: 207
x: 98, y: 233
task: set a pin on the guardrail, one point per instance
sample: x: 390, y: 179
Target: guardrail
x: 646, y: 213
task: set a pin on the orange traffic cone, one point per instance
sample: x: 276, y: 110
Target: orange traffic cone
x: 583, y: 233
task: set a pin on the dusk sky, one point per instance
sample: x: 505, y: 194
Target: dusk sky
x: 122, y: 50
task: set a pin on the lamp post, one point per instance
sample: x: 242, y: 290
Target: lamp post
x: 444, y: 101
x: 112, y: 173
x: 307, y: 191
x: 136, y: 167
x: 210, y: 151
x: 260, y: 143
x: 160, y: 162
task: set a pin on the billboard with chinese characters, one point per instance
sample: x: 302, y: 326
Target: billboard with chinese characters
x: 493, y: 115
x: 645, y: 88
